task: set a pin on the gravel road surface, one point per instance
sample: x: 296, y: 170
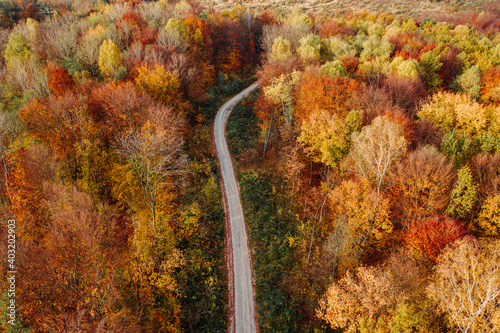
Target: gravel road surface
x: 242, y: 309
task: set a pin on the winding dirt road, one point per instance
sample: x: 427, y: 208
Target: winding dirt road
x: 241, y: 316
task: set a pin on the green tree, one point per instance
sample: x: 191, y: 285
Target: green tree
x: 470, y: 81
x: 310, y: 47
x: 334, y: 68
x: 458, y: 147
x: 279, y: 93
x: 17, y: 50
x: 376, y: 47
x: 326, y: 136
x: 463, y: 195
x: 409, y: 68
x: 430, y: 64
x: 340, y: 48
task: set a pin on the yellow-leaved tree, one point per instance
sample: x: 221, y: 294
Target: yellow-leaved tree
x: 310, y: 47
x: 456, y: 111
x: 109, y: 59
x: 159, y: 83
x: 326, y: 136
x: 18, y: 50
x: 279, y: 92
x: 281, y: 49
x: 361, y: 221
x: 488, y: 220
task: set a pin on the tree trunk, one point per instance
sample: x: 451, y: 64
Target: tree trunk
x: 268, y: 134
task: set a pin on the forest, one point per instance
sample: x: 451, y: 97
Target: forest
x: 368, y: 162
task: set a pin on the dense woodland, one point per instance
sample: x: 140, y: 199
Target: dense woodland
x: 368, y: 163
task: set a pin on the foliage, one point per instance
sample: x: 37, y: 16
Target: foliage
x: 176, y: 34
x: 470, y: 81
x: 463, y: 195
x: 281, y: 49
x: 271, y: 230
x: 365, y: 215
x: 431, y: 64
x: 405, y: 93
x: 326, y: 137
x: 319, y: 92
x: 106, y: 160
x: 455, y: 111
x: 161, y: 84
x: 242, y: 130
x: 59, y: 80
x: 109, y: 59
x: 430, y: 236
x: 490, y: 91
x: 340, y: 48
x: 310, y: 47
x: 298, y: 18
x: 60, y: 124
x: 488, y: 221
x: 154, y: 154
x: 279, y: 93
x: 458, y: 147
x: 373, y: 298
x: 334, y: 68
x: 374, y: 47
x: 355, y: 300
x: 409, y: 68
x: 17, y: 50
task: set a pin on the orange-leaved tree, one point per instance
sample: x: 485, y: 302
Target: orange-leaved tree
x: 490, y: 90
x: 319, y: 92
x: 59, y: 80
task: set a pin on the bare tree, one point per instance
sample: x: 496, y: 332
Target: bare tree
x: 154, y: 152
x: 183, y: 67
x: 467, y: 284
x: 376, y: 148
x: 29, y: 76
x: 422, y: 184
x: 290, y: 32
x: 171, y: 40
x: 5, y: 132
x: 60, y: 37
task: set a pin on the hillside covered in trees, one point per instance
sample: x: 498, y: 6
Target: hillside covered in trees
x: 368, y: 163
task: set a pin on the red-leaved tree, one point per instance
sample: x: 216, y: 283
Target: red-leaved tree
x: 430, y: 236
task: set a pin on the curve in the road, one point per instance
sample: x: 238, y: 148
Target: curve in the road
x: 241, y: 316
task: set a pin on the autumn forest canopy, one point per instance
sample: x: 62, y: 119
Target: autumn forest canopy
x: 368, y: 162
